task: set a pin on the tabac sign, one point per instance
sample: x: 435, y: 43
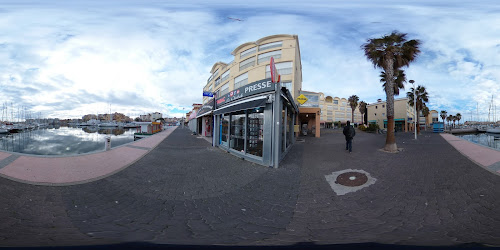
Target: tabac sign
x: 248, y: 90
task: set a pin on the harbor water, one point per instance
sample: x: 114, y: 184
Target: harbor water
x: 485, y: 139
x: 64, y: 141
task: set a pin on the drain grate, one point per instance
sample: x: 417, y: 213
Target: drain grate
x: 351, y: 179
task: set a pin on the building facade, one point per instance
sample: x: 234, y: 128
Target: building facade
x: 404, y: 115
x: 241, y: 114
x: 336, y: 109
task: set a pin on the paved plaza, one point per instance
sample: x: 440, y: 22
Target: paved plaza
x: 183, y: 191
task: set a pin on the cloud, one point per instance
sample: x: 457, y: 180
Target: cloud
x: 67, y: 59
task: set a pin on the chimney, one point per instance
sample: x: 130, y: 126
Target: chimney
x: 379, y: 100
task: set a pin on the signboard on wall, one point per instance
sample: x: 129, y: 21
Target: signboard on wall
x: 208, y: 107
x: 312, y: 99
x: 253, y: 88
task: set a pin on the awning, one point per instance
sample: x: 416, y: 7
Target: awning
x: 247, y: 104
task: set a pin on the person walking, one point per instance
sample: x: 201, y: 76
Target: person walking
x: 349, y: 133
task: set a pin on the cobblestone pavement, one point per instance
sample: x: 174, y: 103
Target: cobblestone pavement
x: 187, y: 192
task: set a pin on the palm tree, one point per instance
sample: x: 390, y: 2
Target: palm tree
x: 454, y: 118
x: 362, y: 110
x: 443, y: 115
x: 448, y: 119
x: 399, y: 80
x: 458, y: 116
x: 425, y: 113
x: 353, y: 102
x: 390, y: 53
x: 421, y: 97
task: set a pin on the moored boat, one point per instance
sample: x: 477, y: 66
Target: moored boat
x: 493, y: 130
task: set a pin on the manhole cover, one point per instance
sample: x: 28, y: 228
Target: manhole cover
x: 351, y: 179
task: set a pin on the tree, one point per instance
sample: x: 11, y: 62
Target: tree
x: 449, y: 119
x: 454, y: 118
x: 459, y: 117
x: 421, y: 98
x: 362, y: 110
x: 399, y: 80
x: 425, y: 113
x: 443, y: 115
x: 353, y: 102
x: 390, y: 53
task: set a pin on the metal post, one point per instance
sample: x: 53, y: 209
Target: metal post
x: 415, y: 109
x: 276, y: 127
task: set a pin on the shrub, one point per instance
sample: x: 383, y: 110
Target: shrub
x: 372, y: 127
x: 362, y: 127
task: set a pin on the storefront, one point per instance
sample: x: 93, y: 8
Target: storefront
x: 205, y: 119
x: 245, y: 124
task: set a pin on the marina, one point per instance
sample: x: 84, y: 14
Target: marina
x: 65, y: 141
x: 485, y: 139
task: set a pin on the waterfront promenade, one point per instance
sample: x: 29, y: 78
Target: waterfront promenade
x: 180, y: 190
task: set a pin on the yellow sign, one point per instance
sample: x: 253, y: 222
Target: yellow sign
x: 296, y: 128
x: 302, y: 99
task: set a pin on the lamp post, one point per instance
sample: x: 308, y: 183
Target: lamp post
x: 414, y: 109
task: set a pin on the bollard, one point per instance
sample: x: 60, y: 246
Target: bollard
x: 107, y: 143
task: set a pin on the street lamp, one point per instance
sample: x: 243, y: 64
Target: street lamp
x: 415, y: 116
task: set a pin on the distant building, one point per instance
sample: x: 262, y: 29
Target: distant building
x: 404, y: 114
x: 336, y: 109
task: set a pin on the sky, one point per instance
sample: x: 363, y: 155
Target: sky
x: 64, y: 59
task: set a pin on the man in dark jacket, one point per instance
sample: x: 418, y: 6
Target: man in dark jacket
x: 349, y: 133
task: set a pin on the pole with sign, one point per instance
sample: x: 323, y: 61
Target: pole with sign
x: 275, y: 78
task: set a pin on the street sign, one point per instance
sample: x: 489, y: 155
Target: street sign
x: 209, y: 94
x: 302, y: 99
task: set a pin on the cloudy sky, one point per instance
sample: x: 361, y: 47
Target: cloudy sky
x: 70, y: 58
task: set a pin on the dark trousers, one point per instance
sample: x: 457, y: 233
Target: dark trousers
x: 348, y: 144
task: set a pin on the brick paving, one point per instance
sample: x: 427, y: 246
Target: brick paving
x: 186, y: 192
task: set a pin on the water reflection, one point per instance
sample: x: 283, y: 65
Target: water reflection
x: 486, y: 139
x: 64, y: 140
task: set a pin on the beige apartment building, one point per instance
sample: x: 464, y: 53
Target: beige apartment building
x: 404, y: 114
x: 251, y: 63
x: 240, y: 115
x: 335, y: 109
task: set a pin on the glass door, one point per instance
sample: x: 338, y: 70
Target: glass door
x: 237, y: 139
x: 224, y: 129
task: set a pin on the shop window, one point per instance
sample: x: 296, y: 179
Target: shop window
x: 289, y: 132
x: 224, y: 129
x: 237, y: 138
x: 255, y: 133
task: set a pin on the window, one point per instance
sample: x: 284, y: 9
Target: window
x: 215, y: 73
x: 225, y: 76
x: 375, y: 114
x: 376, y: 107
x: 335, y: 101
x: 248, y: 52
x: 383, y: 106
x: 344, y: 103
x: 329, y: 113
x: 241, y: 80
x: 270, y: 45
x: 210, y: 78
x: 383, y: 114
x: 342, y: 108
x: 237, y: 131
x: 224, y: 89
x: 329, y: 107
x: 247, y: 63
x: 210, y: 88
x: 284, y: 68
x: 287, y: 85
x: 255, y: 133
x: 217, y: 81
x: 267, y: 56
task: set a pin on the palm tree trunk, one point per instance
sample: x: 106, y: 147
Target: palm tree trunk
x: 418, y: 121
x: 390, y: 140
x: 352, y: 116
